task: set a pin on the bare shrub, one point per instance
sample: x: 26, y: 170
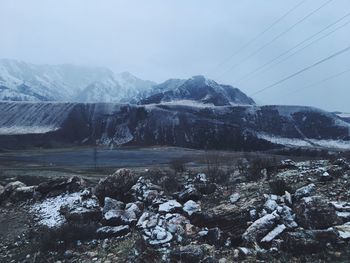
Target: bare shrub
x: 155, y: 174
x: 241, y: 165
x: 222, y: 176
x: 147, y: 254
x: 178, y: 165
x: 215, y: 169
x: 257, y: 164
x: 278, y: 186
x: 169, y: 181
x: 345, y: 155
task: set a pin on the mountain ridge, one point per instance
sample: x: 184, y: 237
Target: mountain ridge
x: 250, y: 127
x: 198, y: 89
x: 65, y: 82
x: 21, y: 81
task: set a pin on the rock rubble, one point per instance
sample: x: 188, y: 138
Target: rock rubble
x: 247, y: 221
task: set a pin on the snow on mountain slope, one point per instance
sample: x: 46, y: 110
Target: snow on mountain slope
x: 20, y: 81
x: 32, y: 118
x: 334, y: 144
x: 197, y: 89
x: 344, y: 116
x: 124, y: 88
x: 250, y: 127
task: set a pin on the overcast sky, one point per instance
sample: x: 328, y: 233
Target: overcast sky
x: 161, y: 39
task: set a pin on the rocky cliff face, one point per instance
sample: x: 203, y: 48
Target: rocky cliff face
x: 230, y: 127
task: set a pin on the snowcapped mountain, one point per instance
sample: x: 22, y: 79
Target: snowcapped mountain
x: 20, y: 81
x: 198, y: 90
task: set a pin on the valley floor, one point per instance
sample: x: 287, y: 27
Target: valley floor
x: 92, y: 164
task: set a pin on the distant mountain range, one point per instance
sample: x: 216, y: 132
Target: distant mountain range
x: 20, y: 81
x: 195, y: 113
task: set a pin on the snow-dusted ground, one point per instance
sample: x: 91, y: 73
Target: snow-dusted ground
x: 197, y: 104
x: 190, y: 103
x: 345, y: 145
x: 344, y: 115
x: 32, y: 118
x: 48, y: 212
x: 16, y: 130
x: 284, y: 141
x: 338, y: 144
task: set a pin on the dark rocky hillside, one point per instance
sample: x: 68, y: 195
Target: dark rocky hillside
x: 231, y: 127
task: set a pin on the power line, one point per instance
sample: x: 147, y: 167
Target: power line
x: 261, y: 34
x: 277, y: 37
x: 308, y: 45
x: 321, y: 81
x: 289, y: 50
x: 302, y: 70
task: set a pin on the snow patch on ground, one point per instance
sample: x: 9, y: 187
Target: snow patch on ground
x: 284, y: 141
x: 15, y: 130
x: 48, y: 212
x: 122, y: 135
x: 191, y: 103
x: 343, y: 115
x: 338, y: 144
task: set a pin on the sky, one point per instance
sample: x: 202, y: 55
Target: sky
x: 162, y: 39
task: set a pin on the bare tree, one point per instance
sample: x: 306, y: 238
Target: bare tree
x: 94, y: 156
x: 214, y: 167
x: 178, y: 165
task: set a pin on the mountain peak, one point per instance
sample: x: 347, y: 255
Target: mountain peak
x: 198, y: 89
x: 198, y: 78
x: 66, y: 82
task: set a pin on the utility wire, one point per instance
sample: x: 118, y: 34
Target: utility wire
x: 277, y: 37
x: 308, y: 45
x: 260, y: 34
x: 303, y: 70
x: 291, y: 49
x: 321, y: 81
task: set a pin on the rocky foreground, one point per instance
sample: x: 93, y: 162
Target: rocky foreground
x: 298, y: 212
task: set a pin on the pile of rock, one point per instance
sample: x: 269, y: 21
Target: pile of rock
x: 145, y: 191
x: 116, y: 185
x: 293, y: 212
x: 16, y: 192
x: 303, y: 221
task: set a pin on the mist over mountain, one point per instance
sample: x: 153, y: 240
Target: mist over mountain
x: 20, y: 81
x: 168, y: 113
